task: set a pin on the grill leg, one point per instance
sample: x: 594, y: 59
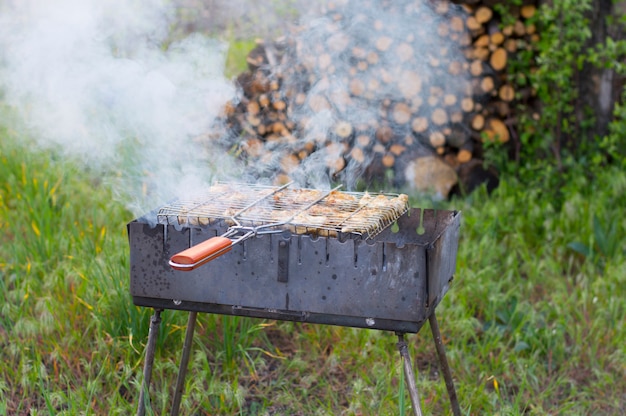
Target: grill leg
x: 409, y: 375
x: 155, y: 321
x: 184, y: 363
x: 445, y: 368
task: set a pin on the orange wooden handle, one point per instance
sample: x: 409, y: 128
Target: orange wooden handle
x: 196, y: 254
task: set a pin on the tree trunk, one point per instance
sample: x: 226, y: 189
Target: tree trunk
x: 599, y: 87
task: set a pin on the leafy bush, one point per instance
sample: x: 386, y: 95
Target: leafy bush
x: 558, y: 136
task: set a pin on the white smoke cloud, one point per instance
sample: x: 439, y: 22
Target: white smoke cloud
x: 120, y: 85
x: 94, y: 79
x: 378, y: 67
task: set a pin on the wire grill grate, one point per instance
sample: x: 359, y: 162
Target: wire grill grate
x: 300, y: 210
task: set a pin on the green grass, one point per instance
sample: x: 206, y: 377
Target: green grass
x: 236, y: 57
x: 534, y: 322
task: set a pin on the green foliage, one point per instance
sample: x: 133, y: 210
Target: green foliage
x: 613, y: 143
x: 542, y: 296
x: 236, y: 57
x: 564, y: 35
x: 605, y: 243
x: 558, y: 133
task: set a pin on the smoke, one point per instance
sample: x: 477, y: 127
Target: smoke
x: 247, y: 19
x: 98, y: 81
x: 123, y: 87
x: 370, y: 86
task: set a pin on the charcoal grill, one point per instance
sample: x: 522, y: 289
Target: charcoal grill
x: 386, y: 268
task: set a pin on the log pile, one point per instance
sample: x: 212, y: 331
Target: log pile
x: 368, y: 88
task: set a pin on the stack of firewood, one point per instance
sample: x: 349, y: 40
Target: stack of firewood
x: 494, y: 43
x: 371, y: 86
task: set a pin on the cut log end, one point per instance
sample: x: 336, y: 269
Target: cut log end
x: 498, y: 59
x: 496, y: 130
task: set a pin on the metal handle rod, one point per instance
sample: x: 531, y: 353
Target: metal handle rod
x: 184, y: 363
x: 153, y: 333
x: 253, y: 203
x: 409, y: 375
x: 445, y: 368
